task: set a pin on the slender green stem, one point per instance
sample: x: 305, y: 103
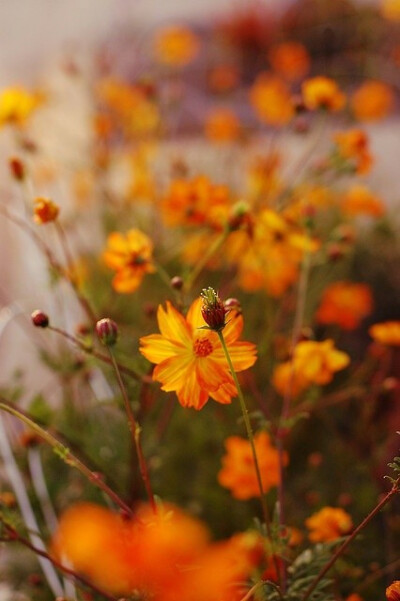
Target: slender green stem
x: 135, y: 430
x: 394, y: 490
x: 68, y: 457
x: 249, y: 430
x: 218, y: 242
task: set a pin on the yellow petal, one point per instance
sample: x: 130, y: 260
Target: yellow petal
x: 156, y: 348
x: 173, y: 325
x: 173, y: 372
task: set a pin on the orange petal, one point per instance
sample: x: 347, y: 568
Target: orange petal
x: 194, y: 316
x: 173, y: 371
x: 126, y: 281
x: 243, y: 355
x: 234, y: 327
x: 191, y: 394
x: 224, y: 393
x: 211, y: 374
x: 156, y: 348
x: 173, y: 325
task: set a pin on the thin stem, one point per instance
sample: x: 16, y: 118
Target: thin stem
x: 249, y: 430
x: 395, y: 489
x: 90, y: 351
x: 192, y: 277
x: 14, y: 536
x: 253, y: 590
x: 68, y: 457
x: 135, y: 430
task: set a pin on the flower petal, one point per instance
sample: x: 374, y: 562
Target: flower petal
x: 173, y: 372
x: 191, y: 394
x: 211, y: 374
x: 156, y: 348
x: 173, y: 325
x: 243, y: 355
x: 194, y: 316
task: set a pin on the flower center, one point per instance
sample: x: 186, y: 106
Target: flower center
x: 202, y: 347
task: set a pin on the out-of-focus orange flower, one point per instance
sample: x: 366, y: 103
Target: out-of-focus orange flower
x: 130, y: 256
x: 176, y: 46
x: 387, y: 332
x: 322, y: 93
x: 290, y: 59
x: 238, y: 470
x: 263, y: 177
x: 223, y: 78
x: 269, y: 253
x: 354, y: 597
x: 345, y: 304
x: 372, y: 100
x: 191, y: 361
x: 196, y: 202
x: 393, y: 590
x: 358, y: 200
x: 271, y: 100
x: 353, y: 145
x: 222, y: 125
x: 328, y: 524
x: 391, y: 9
x: 16, y: 105
x: 45, y: 210
x: 164, y: 557
x: 312, y: 363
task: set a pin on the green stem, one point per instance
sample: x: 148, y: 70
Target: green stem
x: 218, y: 242
x: 249, y: 430
x: 135, y: 430
x: 68, y: 457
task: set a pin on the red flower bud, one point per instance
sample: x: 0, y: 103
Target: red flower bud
x: 213, y: 310
x: 107, y: 331
x: 40, y: 319
x: 17, y: 168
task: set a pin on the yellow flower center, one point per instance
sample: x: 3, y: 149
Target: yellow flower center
x: 202, y: 347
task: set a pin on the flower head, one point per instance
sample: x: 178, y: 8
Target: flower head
x: 190, y: 359
x: 16, y: 105
x: 271, y: 100
x: 328, y: 524
x: 352, y: 146
x: 387, y: 332
x: 213, y: 310
x: 322, y: 93
x: 176, y: 46
x: 372, y: 100
x: 238, y: 469
x: 393, y: 591
x: 358, y: 200
x: 131, y: 257
x: 345, y: 304
x: 290, y: 59
x: 45, y: 211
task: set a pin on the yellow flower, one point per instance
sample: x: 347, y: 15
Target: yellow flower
x: 271, y: 99
x: 345, y: 304
x: 387, y: 332
x: 176, y: 46
x: 328, y: 524
x: 16, y: 105
x: 191, y: 361
x: 322, y: 93
x: 131, y: 257
x: 391, y: 9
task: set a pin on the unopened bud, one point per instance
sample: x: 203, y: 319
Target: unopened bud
x: 233, y: 304
x: 17, y: 168
x: 335, y: 252
x: 213, y: 310
x: 177, y: 282
x: 40, y: 319
x: 107, y: 331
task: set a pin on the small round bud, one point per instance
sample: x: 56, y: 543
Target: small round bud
x: 335, y: 252
x: 232, y: 304
x: 35, y: 579
x: 107, y: 331
x: 177, y: 282
x: 213, y: 310
x: 40, y: 319
x: 17, y: 168
x: 45, y: 211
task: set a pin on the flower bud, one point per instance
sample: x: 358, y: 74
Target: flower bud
x: 232, y: 304
x: 213, y: 310
x: 107, y: 331
x: 17, y: 168
x: 40, y: 319
x: 177, y: 282
x: 45, y: 211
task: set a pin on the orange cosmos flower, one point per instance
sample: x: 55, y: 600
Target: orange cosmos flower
x: 222, y: 125
x: 387, y: 332
x: 372, y: 100
x: 191, y: 361
x: 312, y: 363
x: 290, y: 59
x: 16, y: 105
x: 328, y: 524
x: 196, y: 202
x: 322, y: 93
x: 238, y: 470
x: 391, y: 9
x: 393, y: 591
x: 45, y: 211
x: 354, y: 597
x: 271, y: 99
x: 176, y: 46
x: 358, y: 200
x: 352, y: 145
x: 130, y: 256
x: 345, y: 304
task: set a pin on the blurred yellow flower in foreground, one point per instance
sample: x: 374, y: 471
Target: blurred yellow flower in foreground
x: 238, y: 469
x: 16, y: 105
x: 190, y: 360
x: 328, y: 524
x: 176, y: 46
x: 130, y: 256
x: 322, y: 93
